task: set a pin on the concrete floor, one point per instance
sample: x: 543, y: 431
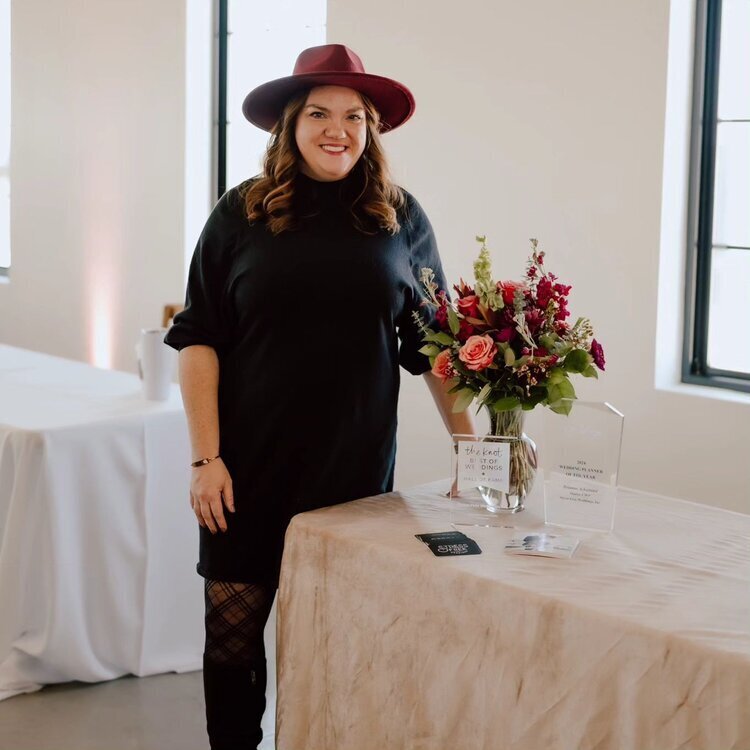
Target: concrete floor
x: 163, y: 712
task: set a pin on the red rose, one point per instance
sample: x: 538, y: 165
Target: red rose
x: 508, y: 289
x: 507, y: 333
x: 597, y: 353
x: 465, y: 330
x: 468, y: 306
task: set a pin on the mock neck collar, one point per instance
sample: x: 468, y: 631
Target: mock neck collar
x: 304, y: 180
x: 317, y: 192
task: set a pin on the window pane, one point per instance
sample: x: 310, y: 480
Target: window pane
x: 4, y: 222
x: 264, y: 41
x: 732, y: 186
x: 729, y: 314
x: 4, y: 133
x: 734, y: 66
x: 4, y: 84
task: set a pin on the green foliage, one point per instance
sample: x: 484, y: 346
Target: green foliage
x: 558, y: 391
x: 548, y: 341
x: 453, y: 321
x: 485, y: 287
x: 506, y: 403
x: 537, y: 396
x: 430, y: 350
x: 486, y: 390
x: 563, y: 389
x: 429, y: 335
x: 561, y: 407
x: 577, y: 361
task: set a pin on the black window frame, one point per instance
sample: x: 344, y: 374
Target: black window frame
x: 221, y: 97
x: 695, y: 367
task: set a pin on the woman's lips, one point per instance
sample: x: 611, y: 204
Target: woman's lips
x: 334, y: 153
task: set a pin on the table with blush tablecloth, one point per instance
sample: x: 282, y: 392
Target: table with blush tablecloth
x: 97, y: 540
x: 640, y: 641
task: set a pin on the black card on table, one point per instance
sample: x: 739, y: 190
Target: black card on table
x: 442, y: 536
x: 449, y: 543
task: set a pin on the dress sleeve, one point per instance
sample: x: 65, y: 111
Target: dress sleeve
x: 207, y: 318
x: 423, y: 254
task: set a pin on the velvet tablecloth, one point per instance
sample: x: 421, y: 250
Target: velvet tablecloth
x: 641, y: 641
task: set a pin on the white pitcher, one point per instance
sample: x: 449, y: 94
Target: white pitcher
x: 156, y: 363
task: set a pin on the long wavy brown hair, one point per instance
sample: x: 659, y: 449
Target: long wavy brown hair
x: 270, y: 197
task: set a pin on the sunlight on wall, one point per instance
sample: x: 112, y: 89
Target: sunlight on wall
x: 102, y: 247
x: 100, y: 323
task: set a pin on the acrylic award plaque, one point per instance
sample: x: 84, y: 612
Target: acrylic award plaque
x: 483, y: 491
x: 580, y: 458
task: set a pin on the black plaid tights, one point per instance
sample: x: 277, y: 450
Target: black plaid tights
x: 236, y: 615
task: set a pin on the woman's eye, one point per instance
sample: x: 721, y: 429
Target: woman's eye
x: 318, y: 115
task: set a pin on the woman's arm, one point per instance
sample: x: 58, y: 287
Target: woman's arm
x: 210, y: 483
x: 461, y: 423
x: 456, y: 424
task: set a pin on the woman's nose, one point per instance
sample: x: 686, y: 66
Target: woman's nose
x: 335, y: 130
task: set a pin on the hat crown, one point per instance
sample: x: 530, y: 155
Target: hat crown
x: 328, y: 58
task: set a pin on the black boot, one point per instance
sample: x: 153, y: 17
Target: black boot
x: 235, y: 702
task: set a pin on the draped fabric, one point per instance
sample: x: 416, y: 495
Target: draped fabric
x: 641, y: 641
x: 97, y: 540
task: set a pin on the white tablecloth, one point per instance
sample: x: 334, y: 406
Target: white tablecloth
x: 641, y: 641
x: 97, y: 540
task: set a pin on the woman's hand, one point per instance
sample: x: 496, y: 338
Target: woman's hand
x: 210, y: 489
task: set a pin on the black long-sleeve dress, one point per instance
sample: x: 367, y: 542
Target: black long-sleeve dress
x: 310, y: 327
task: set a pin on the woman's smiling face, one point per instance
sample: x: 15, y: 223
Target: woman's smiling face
x: 331, y: 132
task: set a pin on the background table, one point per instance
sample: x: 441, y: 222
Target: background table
x: 641, y: 641
x: 97, y: 542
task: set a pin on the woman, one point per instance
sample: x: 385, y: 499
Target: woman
x: 298, y: 314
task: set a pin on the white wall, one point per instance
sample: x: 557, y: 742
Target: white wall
x: 546, y: 119
x: 97, y: 175
x: 537, y: 119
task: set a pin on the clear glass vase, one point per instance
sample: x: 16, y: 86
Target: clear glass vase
x: 508, y: 426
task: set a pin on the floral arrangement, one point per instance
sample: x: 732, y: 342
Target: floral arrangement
x: 508, y: 343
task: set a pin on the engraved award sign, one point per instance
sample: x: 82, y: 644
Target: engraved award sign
x: 580, y: 457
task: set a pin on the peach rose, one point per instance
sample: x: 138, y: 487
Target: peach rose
x: 478, y: 352
x: 443, y: 366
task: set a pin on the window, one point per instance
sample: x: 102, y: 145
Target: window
x: 717, y: 320
x: 4, y: 137
x: 257, y: 43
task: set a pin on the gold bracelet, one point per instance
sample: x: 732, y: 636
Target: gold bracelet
x: 203, y: 462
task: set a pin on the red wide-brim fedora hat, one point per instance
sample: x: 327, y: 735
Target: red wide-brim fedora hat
x: 329, y: 65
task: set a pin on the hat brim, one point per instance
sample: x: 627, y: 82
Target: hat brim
x: 263, y: 105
